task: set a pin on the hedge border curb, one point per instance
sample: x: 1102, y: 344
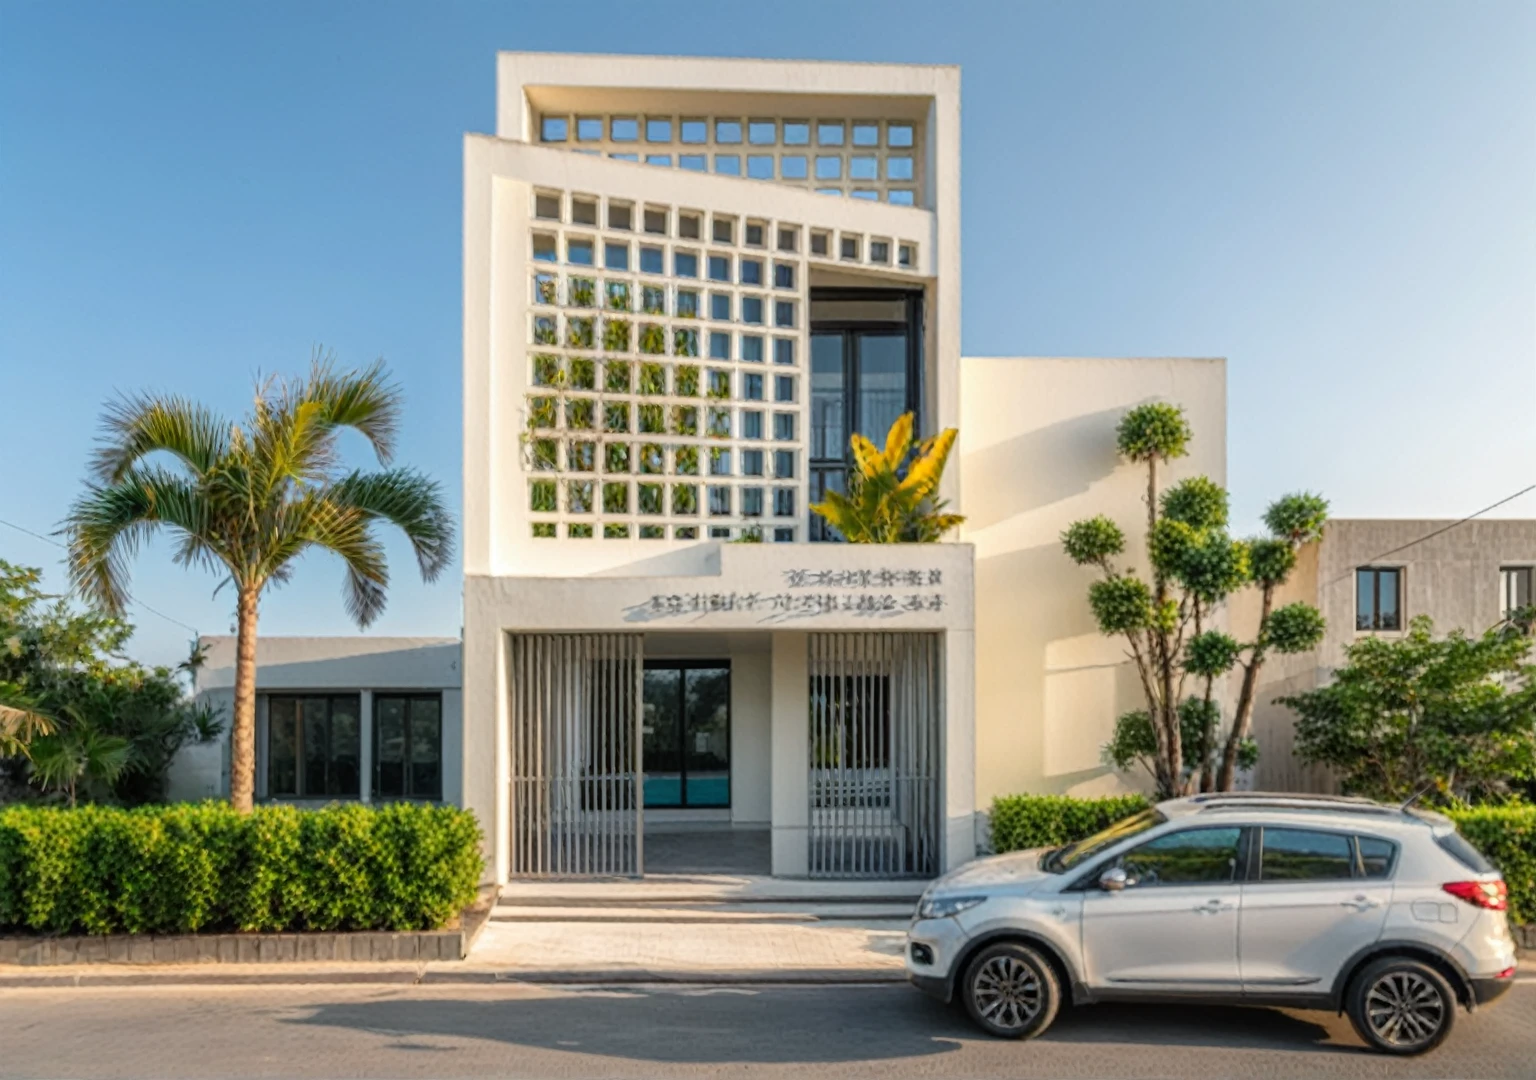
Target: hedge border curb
x: 370, y: 946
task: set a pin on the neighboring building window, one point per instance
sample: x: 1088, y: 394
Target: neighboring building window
x: 408, y: 746
x: 1514, y: 589
x: 314, y: 744
x: 1379, y: 598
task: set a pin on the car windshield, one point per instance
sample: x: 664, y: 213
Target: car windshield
x: 1074, y: 854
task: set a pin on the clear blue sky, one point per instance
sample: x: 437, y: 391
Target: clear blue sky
x: 1339, y: 197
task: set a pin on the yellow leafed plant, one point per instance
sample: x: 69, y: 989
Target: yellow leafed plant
x: 891, y: 496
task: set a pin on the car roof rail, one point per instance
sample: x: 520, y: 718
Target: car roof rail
x: 1288, y: 796
x: 1321, y: 804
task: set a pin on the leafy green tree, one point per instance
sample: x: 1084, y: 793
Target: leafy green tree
x: 1195, y: 565
x: 1456, y: 714
x: 891, y: 492
x: 101, y: 727
x: 249, y: 499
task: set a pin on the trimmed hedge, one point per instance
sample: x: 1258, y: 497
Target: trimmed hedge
x: 1506, y: 834
x: 1030, y: 821
x: 202, y: 867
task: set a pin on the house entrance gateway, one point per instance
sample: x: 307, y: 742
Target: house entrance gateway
x: 876, y: 709
x: 575, y: 803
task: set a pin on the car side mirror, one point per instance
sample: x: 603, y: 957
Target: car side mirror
x: 1113, y: 879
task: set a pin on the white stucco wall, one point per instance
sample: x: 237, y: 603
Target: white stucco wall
x: 1037, y: 452
x: 364, y: 665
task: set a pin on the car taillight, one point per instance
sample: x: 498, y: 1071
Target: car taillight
x: 1493, y: 895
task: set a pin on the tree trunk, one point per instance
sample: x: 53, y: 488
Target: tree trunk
x: 242, y: 739
x: 1167, y: 716
x: 1243, y: 717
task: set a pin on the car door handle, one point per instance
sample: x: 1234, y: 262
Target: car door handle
x: 1211, y: 907
x: 1361, y: 903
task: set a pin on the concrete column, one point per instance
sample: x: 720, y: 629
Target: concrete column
x: 485, y: 770
x: 959, y: 748
x: 365, y: 746
x: 790, y: 739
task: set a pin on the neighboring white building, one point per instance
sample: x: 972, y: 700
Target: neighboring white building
x: 686, y: 281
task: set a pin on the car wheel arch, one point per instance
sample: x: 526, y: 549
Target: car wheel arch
x: 1066, y: 976
x: 1460, y: 981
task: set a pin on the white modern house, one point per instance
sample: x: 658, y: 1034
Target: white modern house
x: 686, y: 283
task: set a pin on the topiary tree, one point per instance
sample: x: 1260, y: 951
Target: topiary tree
x: 1195, y: 566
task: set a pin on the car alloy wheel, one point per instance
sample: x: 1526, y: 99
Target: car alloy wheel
x: 1404, y: 1009
x: 1010, y: 990
x: 1007, y: 992
x: 1401, y: 1005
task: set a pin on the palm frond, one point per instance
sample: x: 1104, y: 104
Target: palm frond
x: 366, y: 401
x: 409, y: 500
x: 136, y: 426
x: 316, y: 520
x: 106, y: 525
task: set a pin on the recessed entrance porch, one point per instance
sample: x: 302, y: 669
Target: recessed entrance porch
x: 741, y: 752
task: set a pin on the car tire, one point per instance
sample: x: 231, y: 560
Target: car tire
x: 1399, y: 1005
x: 1011, y: 991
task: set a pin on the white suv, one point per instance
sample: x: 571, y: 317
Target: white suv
x: 1379, y: 911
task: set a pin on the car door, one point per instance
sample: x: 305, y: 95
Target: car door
x: 1174, y: 925
x: 1309, y: 905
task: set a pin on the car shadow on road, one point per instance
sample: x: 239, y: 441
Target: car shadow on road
x: 1250, y: 1027
x: 725, y: 1024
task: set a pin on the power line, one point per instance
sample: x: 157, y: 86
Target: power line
x: 1437, y: 532
x: 131, y: 597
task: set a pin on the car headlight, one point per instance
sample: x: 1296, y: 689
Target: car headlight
x: 941, y: 907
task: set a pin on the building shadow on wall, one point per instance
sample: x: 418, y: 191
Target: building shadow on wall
x: 1040, y: 467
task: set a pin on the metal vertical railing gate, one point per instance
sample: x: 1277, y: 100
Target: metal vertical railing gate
x: 575, y: 745
x: 876, y: 703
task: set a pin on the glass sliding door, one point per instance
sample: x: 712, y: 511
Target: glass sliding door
x: 687, y: 733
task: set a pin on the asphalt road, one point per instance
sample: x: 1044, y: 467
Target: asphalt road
x: 885, y: 1031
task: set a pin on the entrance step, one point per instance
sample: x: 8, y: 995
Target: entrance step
x: 780, y: 912
x: 708, y: 888
x: 708, y: 899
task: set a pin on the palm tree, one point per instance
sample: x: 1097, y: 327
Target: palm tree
x: 251, y: 498
x: 891, y: 492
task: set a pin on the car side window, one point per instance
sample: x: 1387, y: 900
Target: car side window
x: 1376, y: 856
x: 1305, y: 855
x: 1188, y: 857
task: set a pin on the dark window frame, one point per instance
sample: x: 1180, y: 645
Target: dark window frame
x: 1374, y: 619
x: 820, y: 470
x: 407, y: 776
x: 300, y: 785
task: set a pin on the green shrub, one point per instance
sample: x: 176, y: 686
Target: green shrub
x: 1030, y: 821
x: 1507, y: 835
x: 188, y: 868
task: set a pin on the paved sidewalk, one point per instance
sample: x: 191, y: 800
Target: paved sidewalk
x: 734, y: 951
x: 555, y: 950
